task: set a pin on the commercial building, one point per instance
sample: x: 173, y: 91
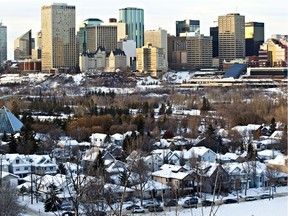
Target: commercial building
x: 177, y: 53
x: 23, y: 46
x: 214, y: 34
x: 254, y: 37
x: 199, y: 51
x: 101, y: 35
x: 134, y: 19
x: 158, y: 38
x: 274, y: 52
x: 231, y: 37
x: 190, y: 26
x: 129, y: 47
x: 121, y: 28
x: 58, y: 37
x: 150, y: 59
x: 3, y: 43
x: 82, y: 33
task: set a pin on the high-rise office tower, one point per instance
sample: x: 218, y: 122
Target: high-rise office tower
x: 58, y: 37
x: 199, y: 51
x: 101, y: 35
x: 82, y: 33
x: 23, y: 46
x: 150, y: 59
x: 158, y: 38
x: 134, y: 19
x: 254, y: 37
x: 3, y: 43
x: 231, y: 37
x: 188, y: 26
x: 214, y: 34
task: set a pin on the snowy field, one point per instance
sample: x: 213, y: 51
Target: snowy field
x: 274, y: 207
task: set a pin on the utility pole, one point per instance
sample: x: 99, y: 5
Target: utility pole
x: 31, y: 190
x: 1, y: 170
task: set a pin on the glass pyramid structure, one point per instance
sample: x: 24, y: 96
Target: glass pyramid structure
x: 9, y: 123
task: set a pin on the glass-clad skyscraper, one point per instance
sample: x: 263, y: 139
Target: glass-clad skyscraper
x: 3, y: 43
x: 134, y: 19
x: 188, y: 26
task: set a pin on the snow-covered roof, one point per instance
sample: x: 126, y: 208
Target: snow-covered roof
x: 277, y: 134
x: 98, y: 136
x: 5, y: 174
x: 151, y: 185
x: 117, y: 136
x: 200, y: 150
x: 167, y: 173
x: 279, y: 160
x: 268, y: 153
x: 173, y: 168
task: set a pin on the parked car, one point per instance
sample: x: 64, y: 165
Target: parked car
x: 132, y: 206
x: 266, y: 196
x: 138, y: 209
x: 100, y: 213
x: 66, y: 206
x: 189, y: 205
x: 155, y: 208
x: 207, y: 203
x: 192, y: 200
x: 228, y: 201
x: 68, y: 213
x: 171, y: 202
x: 149, y: 203
x: 250, y: 198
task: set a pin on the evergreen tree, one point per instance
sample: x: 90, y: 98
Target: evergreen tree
x: 205, y: 105
x: 210, y: 131
x: 13, y: 144
x: 5, y: 137
x: 162, y: 109
x: 98, y: 164
x: 272, y: 127
x: 54, y: 202
x: 62, y: 169
x: 169, y: 110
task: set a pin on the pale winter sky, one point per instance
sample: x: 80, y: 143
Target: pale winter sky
x: 21, y: 15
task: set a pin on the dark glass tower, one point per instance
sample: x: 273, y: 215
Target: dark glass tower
x: 214, y: 34
x: 187, y: 26
x: 254, y: 37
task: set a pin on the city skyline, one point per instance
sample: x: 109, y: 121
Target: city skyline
x: 28, y: 15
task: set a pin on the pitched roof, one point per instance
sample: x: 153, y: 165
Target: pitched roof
x: 9, y: 123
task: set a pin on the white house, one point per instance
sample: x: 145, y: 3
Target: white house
x: 203, y: 154
x: 9, y: 178
x: 154, y: 162
x: 18, y: 165
x: 98, y: 139
x: 43, y: 164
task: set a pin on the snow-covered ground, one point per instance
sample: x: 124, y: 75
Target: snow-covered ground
x: 274, y: 207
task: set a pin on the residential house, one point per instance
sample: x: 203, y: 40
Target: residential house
x: 213, y: 178
x: 43, y: 164
x: 154, y: 162
x: 18, y: 165
x: 116, y: 167
x: 9, y: 178
x: 152, y: 189
x: 280, y: 163
x: 98, y: 140
x: 178, y: 182
x: 203, y: 154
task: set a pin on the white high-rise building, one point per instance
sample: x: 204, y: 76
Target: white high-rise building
x: 231, y: 37
x: 158, y: 38
x: 58, y: 37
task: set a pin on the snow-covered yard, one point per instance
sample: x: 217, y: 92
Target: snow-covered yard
x: 273, y: 207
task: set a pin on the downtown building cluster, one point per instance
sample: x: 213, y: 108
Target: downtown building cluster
x: 124, y: 45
